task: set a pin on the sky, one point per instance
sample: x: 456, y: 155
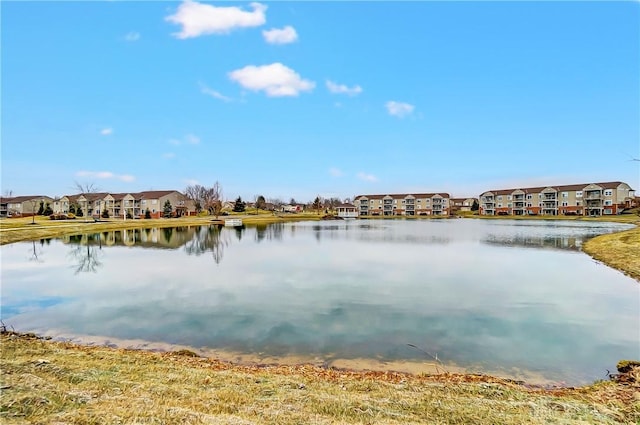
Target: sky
x: 300, y: 99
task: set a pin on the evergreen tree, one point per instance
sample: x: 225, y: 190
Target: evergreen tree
x: 475, y: 206
x: 79, y: 212
x: 72, y: 209
x: 41, y: 209
x: 239, y: 206
x: 105, y: 213
x: 48, y: 211
x: 147, y: 214
x: 167, y: 209
x: 317, y: 203
x: 129, y: 216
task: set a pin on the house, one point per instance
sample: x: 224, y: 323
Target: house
x: 154, y: 200
x: 295, y: 208
x: 403, y: 204
x: 17, y: 206
x: 461, y: 204
x: 590, y: 199
x: 347, y: 210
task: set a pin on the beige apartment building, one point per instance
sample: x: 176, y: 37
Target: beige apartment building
x: 126, y: 204
x: 588, y: 199
x: 17, y: 206
x: 461, y: 204
x: 409, y: 204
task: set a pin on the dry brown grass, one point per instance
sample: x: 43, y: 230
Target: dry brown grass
x: 618, y: 250
x: 61, y: 383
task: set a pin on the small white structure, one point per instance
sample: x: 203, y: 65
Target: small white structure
x: 347, y: 211
x: 233, y: 222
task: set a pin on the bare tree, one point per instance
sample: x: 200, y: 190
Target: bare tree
x: 84, y: 189
x: 197, y: 194
x: 8, y: 193
x: 206, y: 198
x: 213, y: 199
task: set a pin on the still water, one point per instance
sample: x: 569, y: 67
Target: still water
x: 513, y: 298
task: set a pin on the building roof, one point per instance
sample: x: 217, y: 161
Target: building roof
x: 20, y: 199
x: 154, y: 194
x: 404, y: 195
x: 566, y: 187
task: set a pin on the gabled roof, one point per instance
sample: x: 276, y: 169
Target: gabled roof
x: 20, y: 199
x: 404, y: 195
x: 154, y: 194
x: 561, y: 188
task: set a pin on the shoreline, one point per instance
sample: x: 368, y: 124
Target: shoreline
x: 46, y: 381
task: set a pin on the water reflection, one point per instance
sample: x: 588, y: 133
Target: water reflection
x: 464, y: 289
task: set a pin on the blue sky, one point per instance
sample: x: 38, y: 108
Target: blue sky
x: 298, y: 99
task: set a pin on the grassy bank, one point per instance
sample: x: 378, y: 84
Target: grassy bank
x: 54, y: 382
x: 618, y: 250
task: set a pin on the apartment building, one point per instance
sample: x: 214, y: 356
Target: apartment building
x: 588, y: 199
x: 409, y: 204
x: 126, y: 204
x: 16, y: 206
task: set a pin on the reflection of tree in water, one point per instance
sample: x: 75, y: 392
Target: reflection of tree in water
x: 86, y: 254
x: 35, y: 254
x: 209, y: 238
x: 269, y: 231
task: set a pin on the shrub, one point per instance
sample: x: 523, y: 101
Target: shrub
x: 147, y: 214
x: 105, y: 214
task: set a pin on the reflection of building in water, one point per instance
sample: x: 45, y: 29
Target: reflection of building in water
x: 571, y: 243
x: 197, y: 240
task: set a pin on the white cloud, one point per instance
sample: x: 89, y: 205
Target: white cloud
x: 285, y: 35
x: 199, y: 19
x: 343, y: 89
x: 399, y: 109
x: 275, y: 80
x: 367, y: 177
x: 192, y: 139
x: 189, y: 139
x: 132, y: 36
x: 335, y: 172
x: 105, y: 175
x: 106, y: 131
x: 169, y: 155
x: 215, y: 94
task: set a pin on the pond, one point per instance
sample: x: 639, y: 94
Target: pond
x: 511, y: 298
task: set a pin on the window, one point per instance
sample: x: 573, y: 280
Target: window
x: 565, y: 204
x: 403, y: 201
x: 608, y: 211
x: 565, y: 194
x: 578, y: 194
x: 528, y: 204
x: 500, y: 205
x: 154, y: 201
x: 372, y: 202
x: 529, y: 196
x: 509, y: 205
x: 508, y: 197
x: 608, y: 202
x: 578, y: 203
x: 144, y: 202
x: 608, y: 192
x: 500, y: 198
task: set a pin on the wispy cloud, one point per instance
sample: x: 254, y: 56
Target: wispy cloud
x: 132, y: 36
x: 335, y: 172
x: 199, y: 19
x: 399, y: 109
x: 169, y: 155
x: 213, y: 93
x: 191, y: 182
x: 367, y: 177
x: 285, y: 35
x: 343, y: 89
x: 275, y: 80
x: 189, y: 139
x: 106, y: 131
x: 105, y: 175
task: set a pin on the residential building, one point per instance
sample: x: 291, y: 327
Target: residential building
x: 409, y: 204
x: 347, y: 210
x: 461, y: 204
x: 23, y: 205
x: 589, y: 199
